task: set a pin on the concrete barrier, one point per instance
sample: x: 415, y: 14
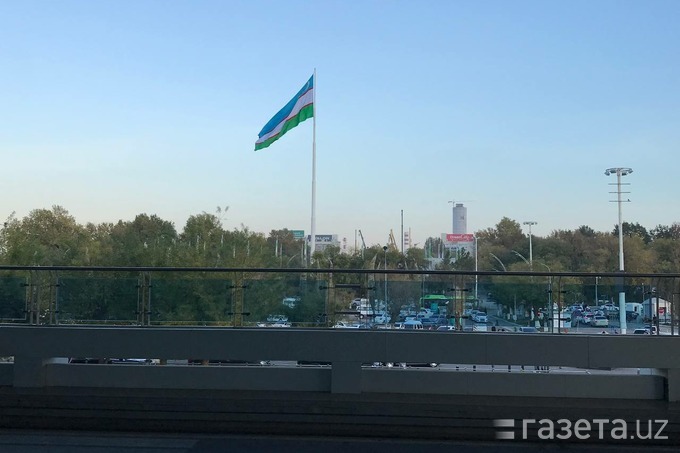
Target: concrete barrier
x: 36, y: 351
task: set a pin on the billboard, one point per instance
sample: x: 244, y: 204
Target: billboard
x: 460, y: 238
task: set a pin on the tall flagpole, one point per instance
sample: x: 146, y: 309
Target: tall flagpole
x: 313, y: 232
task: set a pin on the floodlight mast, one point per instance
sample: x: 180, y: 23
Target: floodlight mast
x: 531, y: 252
x: 619, y: 172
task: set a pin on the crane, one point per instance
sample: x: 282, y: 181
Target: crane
x: 392, y: 242
x: 363, y: 244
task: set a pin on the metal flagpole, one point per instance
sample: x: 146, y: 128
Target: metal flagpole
x: 313, y: 232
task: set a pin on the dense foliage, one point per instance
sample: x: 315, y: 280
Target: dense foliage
x: 53, y: 237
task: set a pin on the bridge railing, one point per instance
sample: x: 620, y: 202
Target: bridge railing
x: 51, y: 314
x: 242, y: 297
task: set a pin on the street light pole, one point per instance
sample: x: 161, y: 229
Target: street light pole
x: 531, y: 252
x: 521, y: 256
x: 385, y: 267
x: 619, y: 172
x: 499, y: 260
x: 476, y: 276
x: 674, y: 317
x: 550, y: 304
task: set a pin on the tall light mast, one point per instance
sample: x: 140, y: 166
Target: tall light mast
x: 619, y: 172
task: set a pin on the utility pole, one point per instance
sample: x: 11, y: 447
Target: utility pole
x: 619, y: 172
x: 531, y: 252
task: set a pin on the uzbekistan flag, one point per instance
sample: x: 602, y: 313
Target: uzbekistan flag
x: 296, y: 111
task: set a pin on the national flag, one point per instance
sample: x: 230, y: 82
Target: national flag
x: 296, y: 111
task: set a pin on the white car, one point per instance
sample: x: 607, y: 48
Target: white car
x: 480, y: 317
x: 446, y: 329
x: 413, y: 325
x: 277, y: 318
x: 599, y: 321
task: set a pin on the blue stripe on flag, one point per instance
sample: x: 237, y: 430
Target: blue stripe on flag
x: 282, y: 114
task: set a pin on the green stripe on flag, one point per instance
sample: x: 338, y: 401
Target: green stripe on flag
x: 305, y: 113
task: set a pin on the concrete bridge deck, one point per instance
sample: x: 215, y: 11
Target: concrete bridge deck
x: 39, y: 391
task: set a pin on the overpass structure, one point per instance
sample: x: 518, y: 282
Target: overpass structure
x: 342, y: 394
x: 309, y: 380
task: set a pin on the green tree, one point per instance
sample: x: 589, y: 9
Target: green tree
x: 633, y: 230
x: 146, y: 241
x: 284, y: 245
x: 46, y: 237
x: 666, y: 232
x: 507, y: 233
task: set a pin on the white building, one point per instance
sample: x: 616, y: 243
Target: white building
x: 459, y: 219
x: 649, y: 308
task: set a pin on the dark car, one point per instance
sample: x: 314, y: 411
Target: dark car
x: 528, y: 330
x: 440, y: 320
x: 429, y: 323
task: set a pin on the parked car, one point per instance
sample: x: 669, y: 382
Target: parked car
x: 641, y: 332
x: 440, y: 319
x: 277, y: 318
x: 446, y: 329
x: 382, y: 319
x: 346, y: 325
x: 651, y: 329
x: 428, y: 323
x: 631, y: 316
x: 413, y: 325
x: 501, y: 329
x: 528, y: 330
x: 599, y: 321
x: 412, y: 364
x: 480, y: 317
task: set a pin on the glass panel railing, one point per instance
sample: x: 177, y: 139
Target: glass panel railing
x: 432, y: 300
x: 284, y: 300
x: 12, y: 298
x: 195, y: 300
x: 108, y: 299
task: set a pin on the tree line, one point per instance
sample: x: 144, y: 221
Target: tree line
x: 52, y: 237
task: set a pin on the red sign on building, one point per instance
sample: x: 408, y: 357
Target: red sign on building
x: 460, y: 237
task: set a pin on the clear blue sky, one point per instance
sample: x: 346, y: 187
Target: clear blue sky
x: 116, y: 108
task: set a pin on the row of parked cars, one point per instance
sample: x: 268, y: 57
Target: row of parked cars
x: 598, y: 317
